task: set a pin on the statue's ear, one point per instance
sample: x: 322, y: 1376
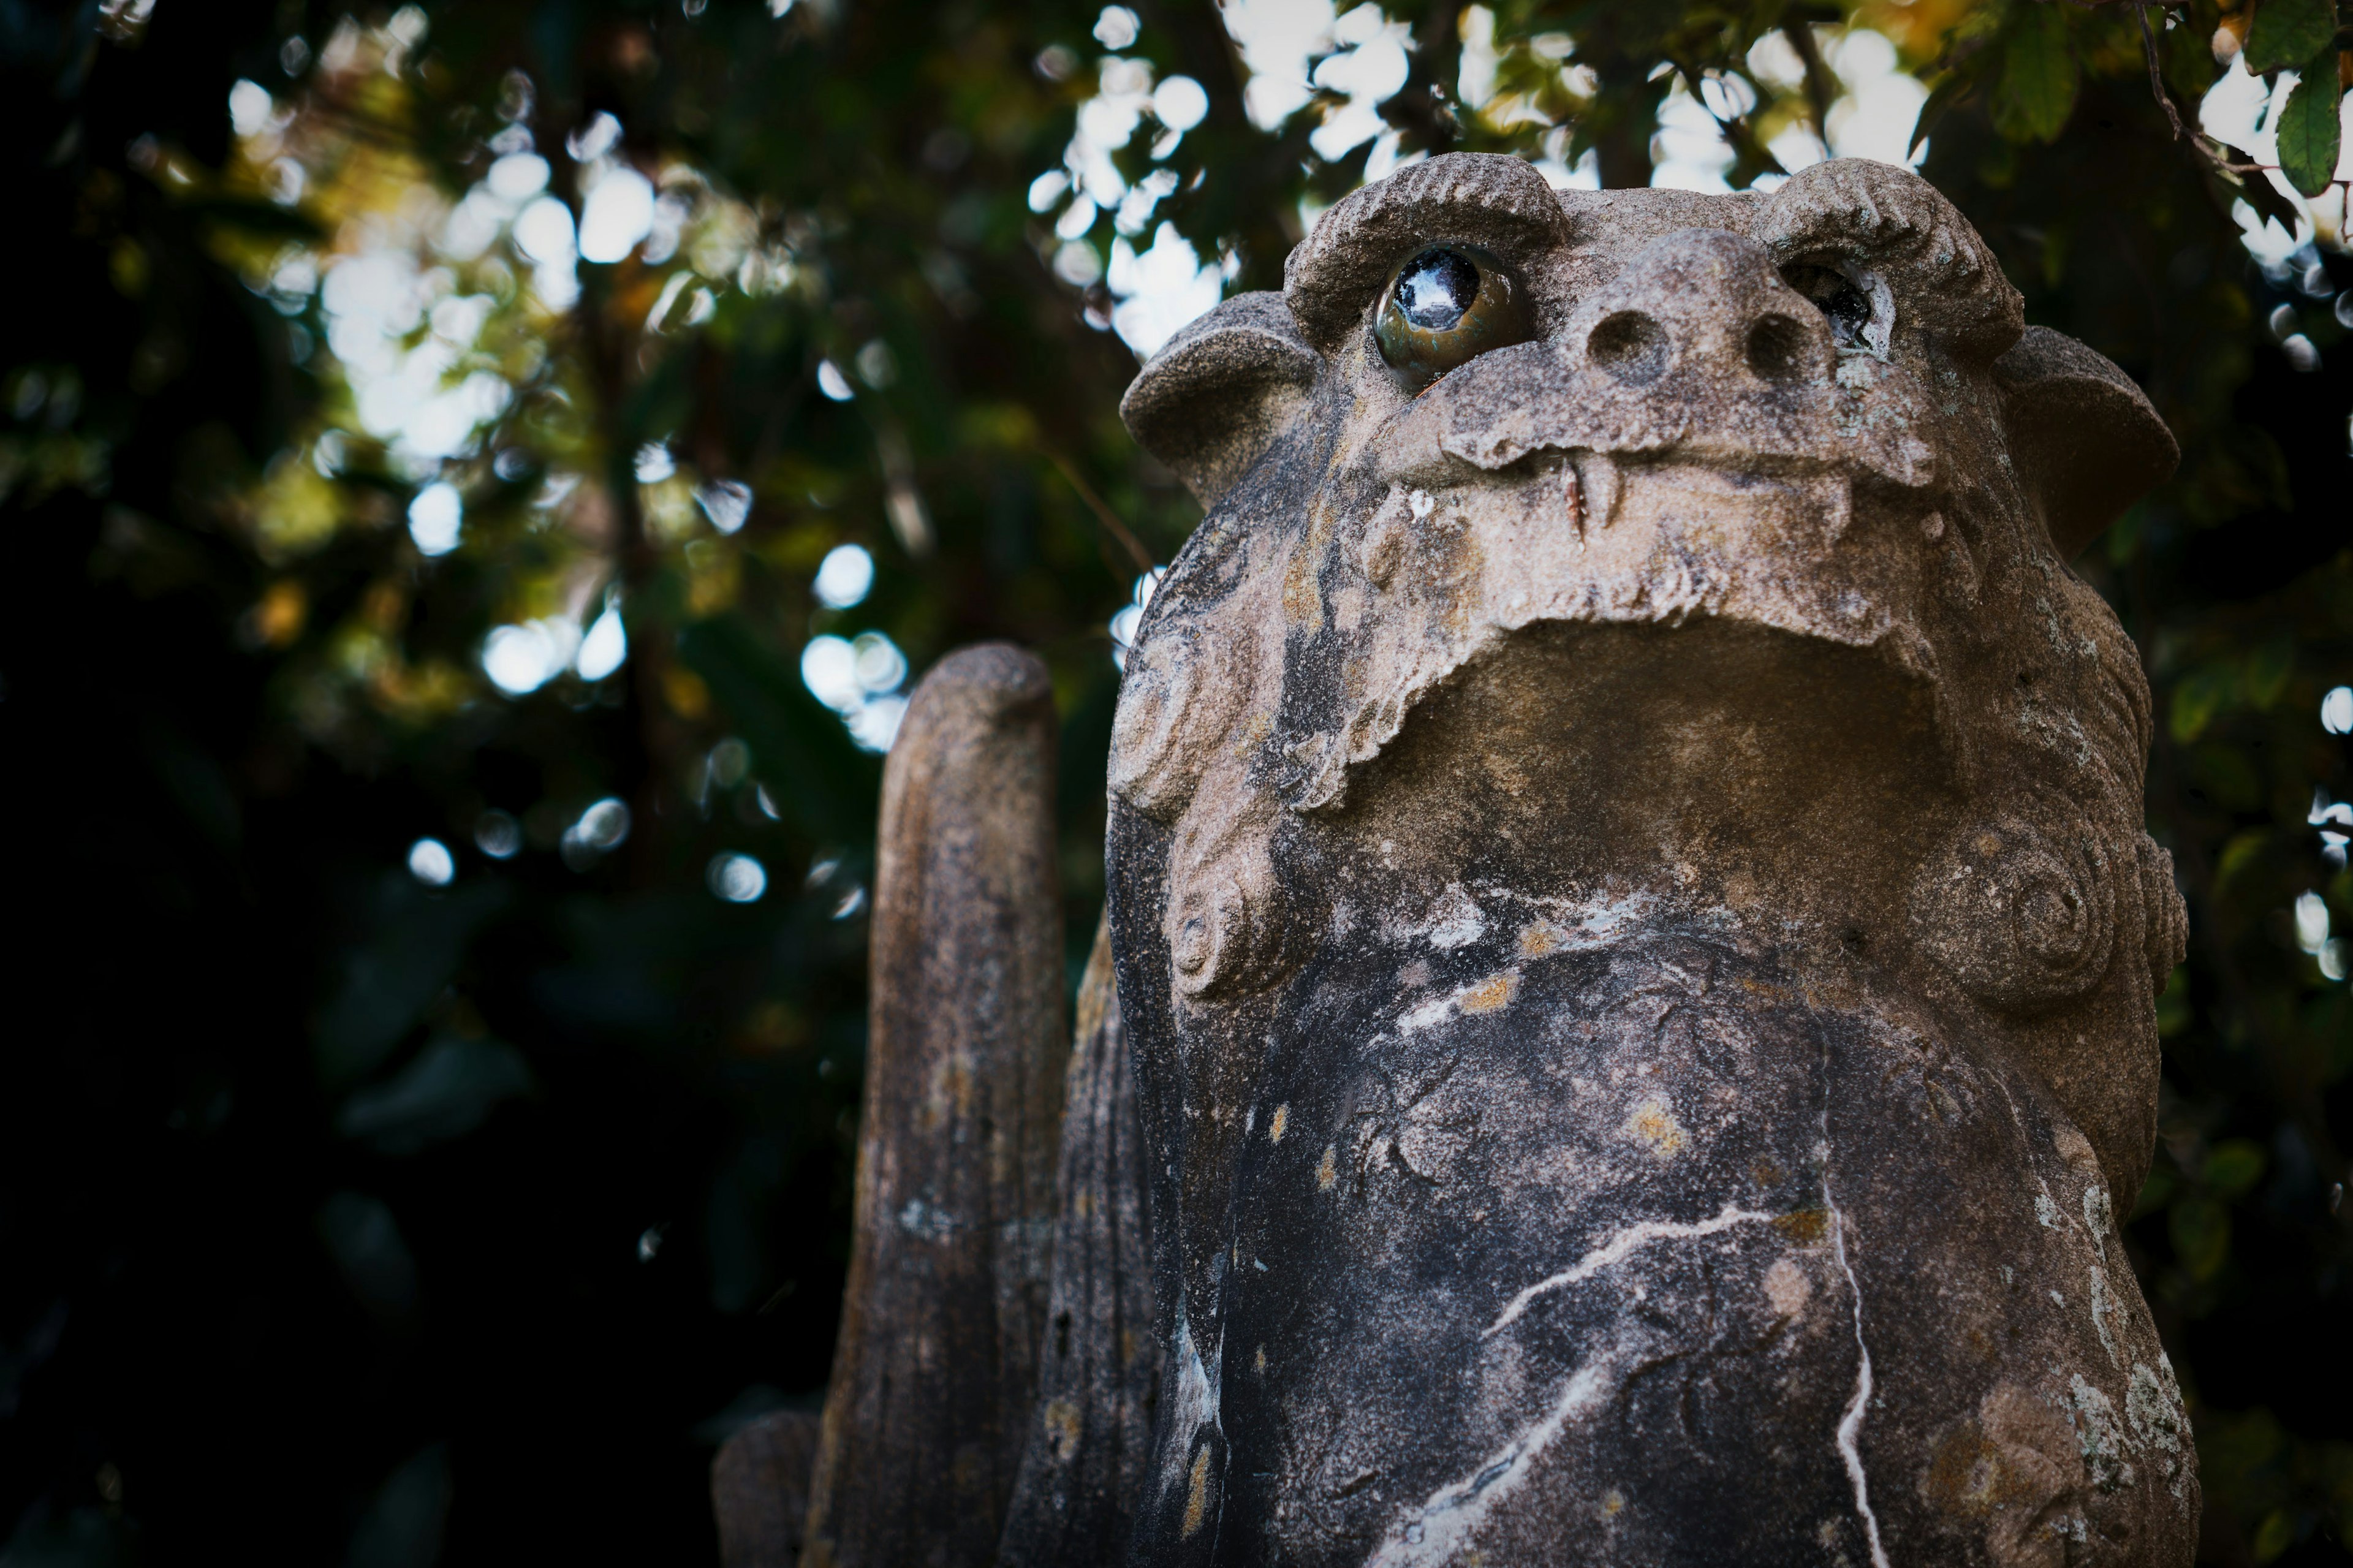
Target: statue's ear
x: 1220, y: 393
x: 2086, y: 441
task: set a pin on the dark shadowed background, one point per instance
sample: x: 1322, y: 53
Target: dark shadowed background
x: 478, y: 480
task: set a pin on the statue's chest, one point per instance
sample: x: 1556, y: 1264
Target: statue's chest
x: 1560, y: 1227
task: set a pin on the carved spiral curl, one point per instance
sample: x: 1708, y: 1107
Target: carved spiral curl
x: 1182, y: 692
x: 1231, y: 928
x: 2164, y: 936
x: 2022, y: 917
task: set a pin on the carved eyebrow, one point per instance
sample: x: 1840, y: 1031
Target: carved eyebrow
x: 1478, y: 198
x: 1941, y: 270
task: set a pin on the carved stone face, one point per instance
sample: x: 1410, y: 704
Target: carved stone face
x: 1630, y: 896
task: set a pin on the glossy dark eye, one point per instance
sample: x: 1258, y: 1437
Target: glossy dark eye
x: 1836, y: 296
x: 1445, y: 306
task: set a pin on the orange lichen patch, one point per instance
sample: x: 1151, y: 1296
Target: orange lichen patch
x: 1509, y: 776
x: 1303, y: 597
x: 1490, y: 994
x: 1964, y: 1471
x: 1786, y: 1287
x: 1281, y: 1120
x: 1196, y: 1500
x: 1329, y: 1170
x: 1804, y: 1227
x: 1538, y: 939
x: 1654, y: 1124
x: 1062, y: 1420
x: 1251, y: 734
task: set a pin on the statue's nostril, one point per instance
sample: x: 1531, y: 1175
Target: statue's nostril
x: 1777, y: 348
x: 1630, y: 346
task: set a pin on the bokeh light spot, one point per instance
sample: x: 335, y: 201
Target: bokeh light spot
x: 1180, y: 103
x: 517, y: 177
x: 603, y: 828
x: 738, y: 878
x: 829, y: 669
x: 430, y: 862
x: 726, y: 502
x: 605, y: 647
x: 844, y: 578
x: 1117, y: 27
x: 498, y: 834
x: 435, y: 519
x: 520, y: 659
x: 619, y: 212
x: 543, y: 231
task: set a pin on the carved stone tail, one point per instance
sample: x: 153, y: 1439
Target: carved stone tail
x: 936, y: 1370
x: 1099, y: 1368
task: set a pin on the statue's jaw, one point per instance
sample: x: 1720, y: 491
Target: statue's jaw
x: 1715, y: 764
x: 1443, y: 579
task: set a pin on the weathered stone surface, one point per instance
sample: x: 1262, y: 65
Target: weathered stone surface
x: 1099, y: 1368
x: 1630, y: 907
x: 934, y: 1372
x: 759, y: 1489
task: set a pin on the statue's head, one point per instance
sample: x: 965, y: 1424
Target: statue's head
x: 1714, y: 537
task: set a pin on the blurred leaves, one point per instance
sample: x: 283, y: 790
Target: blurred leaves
x: 446, y: 1093
x: 2309, y: 126
x: 2037, y: 92
x: 2287, y: 34
x: 416, y: 939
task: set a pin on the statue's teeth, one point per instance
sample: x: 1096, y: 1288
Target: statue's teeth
x: 1600, y: 483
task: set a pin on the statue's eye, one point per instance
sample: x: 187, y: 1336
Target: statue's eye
x: 1835, y: 295
x: 1443, y: 307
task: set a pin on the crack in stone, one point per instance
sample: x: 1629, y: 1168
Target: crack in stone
x: 1620, y: 1247
x: 1851, y: 1423
x: 1434, y: 1531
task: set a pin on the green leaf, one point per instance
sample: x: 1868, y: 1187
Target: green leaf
x: 447, y: 1091
x: 394, y: 975
x: 2268, y: 669
x: 2201, y: 1235
x: 2308, y: 126
x: 2202, y: 694
x: 2234, y: 1166
x: 2289, y: 32
x: 2260, y: 193
x: 2173, y: 1010
x: 2038, y: 78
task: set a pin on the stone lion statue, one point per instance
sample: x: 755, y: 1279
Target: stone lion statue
x: 1634, y: 939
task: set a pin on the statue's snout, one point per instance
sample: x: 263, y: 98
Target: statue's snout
x: 1705, y: 309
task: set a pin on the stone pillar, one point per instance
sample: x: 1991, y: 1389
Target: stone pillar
x: 935, y: 1373
x: 1629, y: 902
